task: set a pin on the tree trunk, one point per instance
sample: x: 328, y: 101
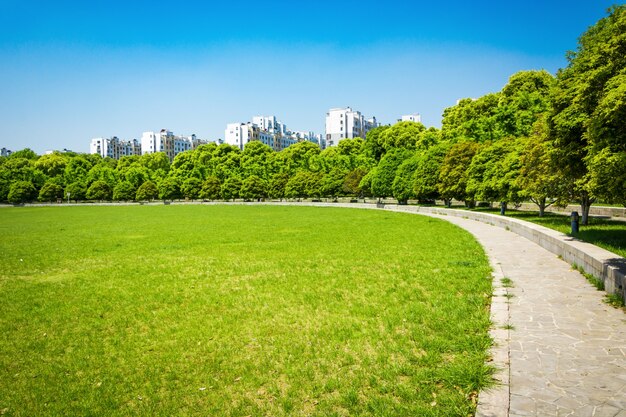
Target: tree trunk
x: 542, y: 206
x: 585, y: 205
x: 470, y: 204
x: 447, y: 202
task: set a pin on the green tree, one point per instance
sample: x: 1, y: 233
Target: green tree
x: 296, y: 186
x: 453, y: 173
x: 147, y: 191
x: 255, y: 160
x: 331, y: 184
x: 77, y: 190
x: 102, y: 172
x: 373, y: 146
x: 493, y: 172
x: 402, y: 186
x: 475, y: 120
x: 76, y: 170
x: 99, y: 190
x: 277, y: 184
x: 25, y: 153
x: 225, y: 162
x: 253, y: 188
x: 22, y: 192
x: 524, y: 99
x: 169, y: 189
x: 136, y: 174
x: 52, y: 164
x: 407, y: 135
x: 191, y: 188
x: 231, y: 189
x: 50, y: 192
x: 539, y: 179
x: 589, y: 109
x: 351, y: 183
x: 298, y: 156
x: 124, y: 191
x: 211, y: 188
x: 384, y: 174
x: 426, y: 180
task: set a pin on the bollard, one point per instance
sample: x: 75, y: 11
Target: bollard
x: 574, y: 217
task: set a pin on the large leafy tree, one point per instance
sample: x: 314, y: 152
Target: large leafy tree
x: 426, y: 178
x: 52, y: 164
x: 538, y: 178
x: 523, y: 100
x: 402, y: 185
x: 351, y: 182
x: 493, y: 172
x: 589, y: 109
x: 77, y: 191
x: 231, y: 188
x: 99, y: 190
x: 211, y: 188
x: 384, y: 174
x: 22, y: 192
x: 255, y: 160
x: 147, y: 191
x: 253, y: 188
x: 277, y: 184
x: 169, y: 189
x: 191, y: 188
x: 124, y: 191
x: 50, y: 191
x: 453, y: 172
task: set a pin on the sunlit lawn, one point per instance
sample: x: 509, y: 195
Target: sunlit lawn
x: 239, y: 310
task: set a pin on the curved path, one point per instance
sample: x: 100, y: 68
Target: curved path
x: 566, y: 348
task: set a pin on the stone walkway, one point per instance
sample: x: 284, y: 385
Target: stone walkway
x: 566, y: 347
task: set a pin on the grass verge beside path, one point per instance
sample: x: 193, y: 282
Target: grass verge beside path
x: 608, y: 234
x: 239, y: 310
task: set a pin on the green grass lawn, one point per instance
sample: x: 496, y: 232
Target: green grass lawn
x: 239, y: 311
x: 608, y: 234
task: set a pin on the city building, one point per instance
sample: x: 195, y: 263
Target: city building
x: 267, y: 130
x: 345, y: 123
x: 114, y: 147
x: 415, y: 117
x: 5, y: 152
x: 162, y: 141
x: 165, y: 141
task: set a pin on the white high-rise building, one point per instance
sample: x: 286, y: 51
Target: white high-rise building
x: 415, y: 117
x: 166, y: 141
x: 114, y: 147
x: 345, y: 123
x: 269, y: 130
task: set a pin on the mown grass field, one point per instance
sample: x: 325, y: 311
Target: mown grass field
x: 239, y: 311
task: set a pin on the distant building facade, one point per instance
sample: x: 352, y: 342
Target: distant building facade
x: 165, y: 141
x: 269, y: 131
x: 345, y: 123
x: 415, y: 117
x: 162, y: 141
x: 114, y: 147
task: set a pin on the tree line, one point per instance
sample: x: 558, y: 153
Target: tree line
x: 544, y: 138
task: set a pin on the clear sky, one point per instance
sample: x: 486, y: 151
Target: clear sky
x: 74, y: 70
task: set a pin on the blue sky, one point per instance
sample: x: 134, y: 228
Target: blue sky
x: 74, y: 70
